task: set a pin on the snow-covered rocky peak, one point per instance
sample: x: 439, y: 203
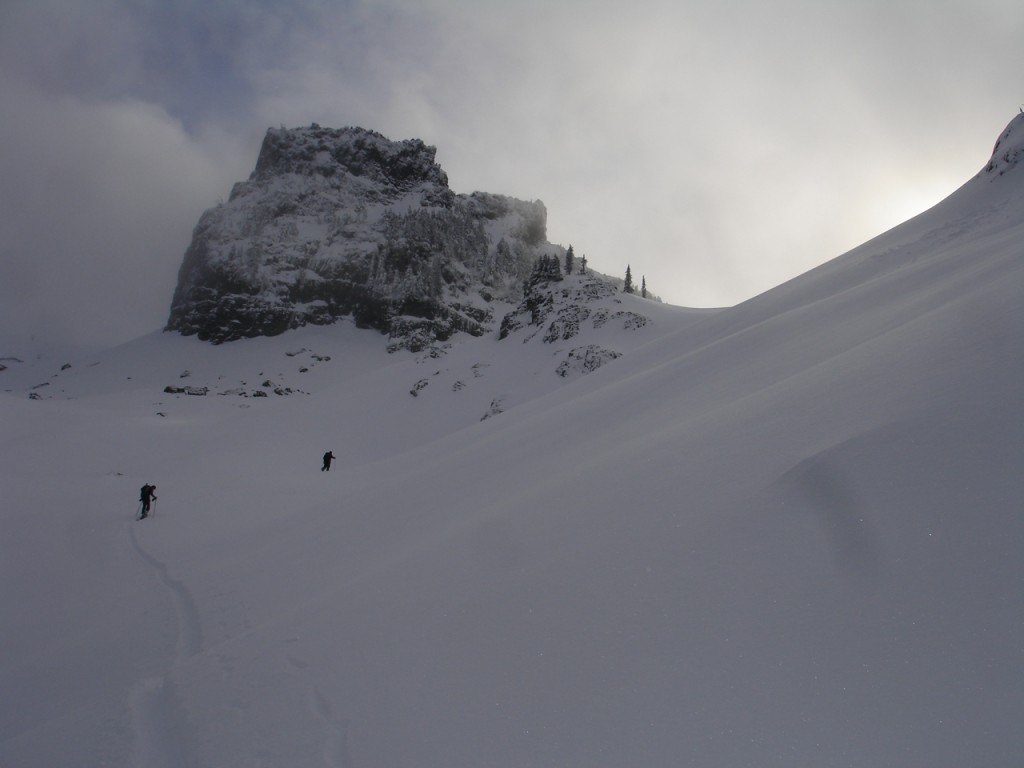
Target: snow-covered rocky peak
x: 358, y: 152
x: 336, y: 223
x: 1008, y: 150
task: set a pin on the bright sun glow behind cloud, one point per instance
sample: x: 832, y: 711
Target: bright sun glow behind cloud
x: 906, y: 199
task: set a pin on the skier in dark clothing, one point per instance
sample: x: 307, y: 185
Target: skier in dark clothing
x: 146, y: 496
x: 328, y: 458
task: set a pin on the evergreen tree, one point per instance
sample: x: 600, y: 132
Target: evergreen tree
x: 643, y: 286
x: 554, y: 269
x: 627, y: 285
x: 583, y: 264
x: 545, y: 270
x: 569, y: 257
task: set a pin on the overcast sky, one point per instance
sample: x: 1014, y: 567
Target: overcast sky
x: 718, y: 147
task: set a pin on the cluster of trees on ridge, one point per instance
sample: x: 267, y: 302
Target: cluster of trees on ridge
x: 547, y: 269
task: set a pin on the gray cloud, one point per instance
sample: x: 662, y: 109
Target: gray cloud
x: 719, y: 148
x: 97, y: 204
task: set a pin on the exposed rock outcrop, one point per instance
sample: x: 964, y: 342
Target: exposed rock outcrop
x: 559, y: 308
x: 345, y: 222
x: 1008, y: 150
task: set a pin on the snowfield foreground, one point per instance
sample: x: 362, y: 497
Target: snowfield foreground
x: 786, y: 533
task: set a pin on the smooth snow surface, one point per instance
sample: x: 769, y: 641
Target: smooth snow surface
x: 787, y: 533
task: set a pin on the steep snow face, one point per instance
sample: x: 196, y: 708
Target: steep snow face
x: 786, y: 533
x: 946, y: 235
x: 336, y: 223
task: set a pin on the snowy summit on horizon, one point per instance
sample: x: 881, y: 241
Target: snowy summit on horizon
x: 603, y: 531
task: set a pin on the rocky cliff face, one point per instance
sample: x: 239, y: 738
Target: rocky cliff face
x: 335, y: 223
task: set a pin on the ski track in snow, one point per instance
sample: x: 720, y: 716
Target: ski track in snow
x: 158, y: 717
x: 336, y: 743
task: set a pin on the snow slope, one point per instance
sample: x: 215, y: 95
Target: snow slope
x: 787, y: 533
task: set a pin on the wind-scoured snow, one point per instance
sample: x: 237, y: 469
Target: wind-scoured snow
x: 786, y: 533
